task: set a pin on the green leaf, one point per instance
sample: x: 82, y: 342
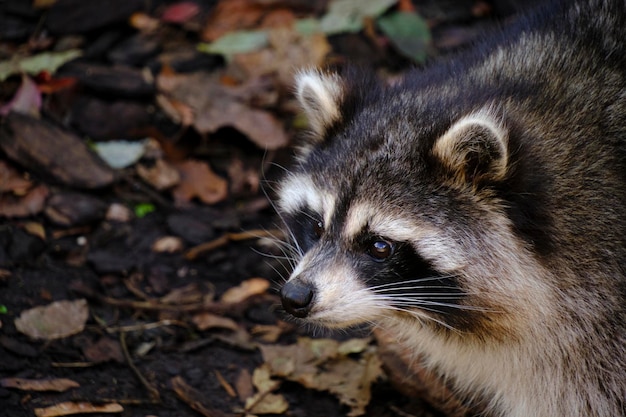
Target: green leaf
x: 348, y: 15
x: 408, y: 32
x: 46, y: 61
x: 143, y: 209
x: 236, y: 43
x: 3, y: 309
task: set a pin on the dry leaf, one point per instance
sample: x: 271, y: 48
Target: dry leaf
x: 328, y: 365
x: 57, y: 385
x: 231, y: 15
x: 246, y: 289
x: 288, y: 49
x: 198, y: 180
x: 35, y: 229
x: 217, y: 105
x: 160, y: 175
x: 104, y: 350
x: 263, y: 402
x: 168, y: 244
x: 54, y: 321
x: 243, y: 385
x: 70, y: 407
x: 31, y: 203
x: 188, y: 294
x: 204, y: 321
x: 12, y: 181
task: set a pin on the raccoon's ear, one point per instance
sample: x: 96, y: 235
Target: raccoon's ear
x: 320, y: 95
x: 474, y: 149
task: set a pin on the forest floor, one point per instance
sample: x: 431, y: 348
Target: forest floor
x: 139, y: 143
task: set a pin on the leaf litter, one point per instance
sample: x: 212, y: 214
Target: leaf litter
x: 170, y: 315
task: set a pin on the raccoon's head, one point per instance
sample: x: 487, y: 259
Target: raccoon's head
x: 393, y: 214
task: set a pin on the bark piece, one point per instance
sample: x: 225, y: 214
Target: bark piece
x: 44, y: 148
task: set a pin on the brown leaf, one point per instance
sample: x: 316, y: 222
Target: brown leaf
x: 327, y: 365
x: 204, y: 321
x: 217, y: 105
x: 12, y: 181
x: 197, y: 180
x: 188, y: 294
x: 231, y: 15
x: 70, y: 407
x: 104, y: 350
x: 160, y: 175
x: 246, y: 289
x: 287, y: 50
x: 58, y: 385
x: 243, y: 385
x: 32, y: 203
x: 54, y: 321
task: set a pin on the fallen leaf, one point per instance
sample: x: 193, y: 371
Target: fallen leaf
x: 245, y: 290
x: 143, y: 22
x: 236, y: 43
x: 236, y: 15
x: 349, y: 15
x: 197, y: 180
x: 189, y: 294
x: 35, y: 229
x: 243, y: 385
x: 288, y: 48
x: 57, y: 320
x: 263, y: 402
x: 45, y: 61
x: 160, y: 174
x: 57, y: 385
x: 27, y: 99
x: 12, y: 181
x: 217, y: 105
x: 409, y: 32
x: 120, y: 153
x: 328, y: 365
x: 204, y: 321
x: 178, y: 111
x: 32, y: 203
x: 180, y: 12
x: 119, y: 213
x: 70, y: 407
x: 103, y: 350
x: 168, y: 244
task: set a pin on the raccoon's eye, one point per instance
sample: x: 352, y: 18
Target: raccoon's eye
x: 318, y: 228
x: 380, y: 250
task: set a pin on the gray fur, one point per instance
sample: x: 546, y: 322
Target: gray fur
x: 533, y: 233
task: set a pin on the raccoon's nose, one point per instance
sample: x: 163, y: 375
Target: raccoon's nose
x: 296, y: 298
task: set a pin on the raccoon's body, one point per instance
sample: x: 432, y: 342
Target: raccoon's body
x: 477, y: 210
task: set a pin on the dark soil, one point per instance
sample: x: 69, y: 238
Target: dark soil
x: 112, y: 264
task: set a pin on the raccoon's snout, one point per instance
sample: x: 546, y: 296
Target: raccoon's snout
x: 296, y: 297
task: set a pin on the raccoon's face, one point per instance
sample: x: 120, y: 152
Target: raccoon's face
x: 392, y: 217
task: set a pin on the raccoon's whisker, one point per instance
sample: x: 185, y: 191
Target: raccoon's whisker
x: 424, y: 317
x: 414, y: 287
x: 410, y: 281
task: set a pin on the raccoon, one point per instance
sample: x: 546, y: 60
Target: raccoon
x: 476, y: 210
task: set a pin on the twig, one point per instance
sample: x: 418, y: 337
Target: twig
x: 145, y: 326
x: 154, y: 393
x: 194, y: 252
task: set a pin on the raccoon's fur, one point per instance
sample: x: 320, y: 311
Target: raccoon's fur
x: 477, y: 210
